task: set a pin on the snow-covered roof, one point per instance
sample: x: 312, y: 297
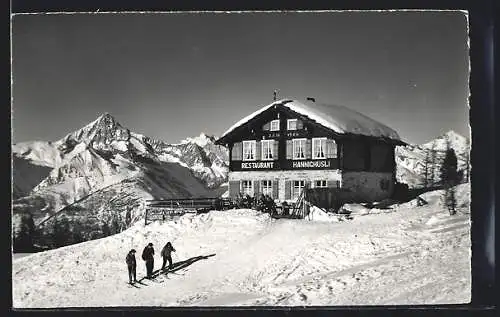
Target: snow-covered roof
x: 340, y: 119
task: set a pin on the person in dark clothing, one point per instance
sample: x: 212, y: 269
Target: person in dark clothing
x: 148, y: 256
x: 132, y: 265
x: 166, y: 254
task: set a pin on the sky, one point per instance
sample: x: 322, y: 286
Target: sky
x: 174, y: 75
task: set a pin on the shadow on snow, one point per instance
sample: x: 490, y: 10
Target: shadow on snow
x: 176, y: 267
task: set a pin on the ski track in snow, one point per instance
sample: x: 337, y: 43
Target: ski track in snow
x: 409, y: 256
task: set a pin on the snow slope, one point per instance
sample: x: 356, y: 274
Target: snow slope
x: 403, y: 255
x: 38, y: 152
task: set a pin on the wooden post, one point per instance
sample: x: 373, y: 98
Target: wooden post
x: 146, y: 218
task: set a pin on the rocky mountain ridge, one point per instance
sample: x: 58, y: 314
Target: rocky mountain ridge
x: 85, y: 169
x: 410, y: 160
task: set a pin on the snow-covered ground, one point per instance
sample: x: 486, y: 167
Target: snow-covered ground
x: 402, y: 255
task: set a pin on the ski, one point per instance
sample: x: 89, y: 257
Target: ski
x: 132, y: 285
x: 156, y: 281
x: 173, y: 270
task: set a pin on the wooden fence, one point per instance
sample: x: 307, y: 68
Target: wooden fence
x: 168, y: 209
x: 328, y: 199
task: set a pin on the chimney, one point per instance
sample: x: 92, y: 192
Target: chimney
x: 311, y: 99
x: 275, y: 95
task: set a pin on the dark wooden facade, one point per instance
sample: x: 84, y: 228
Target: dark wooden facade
x: 344, y: 154
x: 352, y: 152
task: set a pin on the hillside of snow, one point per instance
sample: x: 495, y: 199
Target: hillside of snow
x: 404, y: 254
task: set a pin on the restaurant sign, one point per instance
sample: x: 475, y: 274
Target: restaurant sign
x: 257, y: 165
x: 284, y: 165
x: 311, y: 164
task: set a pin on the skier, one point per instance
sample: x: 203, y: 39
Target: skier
x: 131, y: 264
x: 166, y: 253
x: 148, y: 256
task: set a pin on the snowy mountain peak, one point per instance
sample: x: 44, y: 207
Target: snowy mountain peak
x: 451, y: 138
x: 411, y: 159
x: 201, y: 140
x: 106, y: 117
x: 104, y: 130
x: 452, y: 135
x: 104, y: 121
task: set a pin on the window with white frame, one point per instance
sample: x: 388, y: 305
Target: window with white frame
x: 297, y: 188
x: 267, y: 188
x: 275, y: 125
x: 291, y: 124
x: 320, y: 183
x: 247, y: 188
x: 267, y: 149
x: 249, y: 150
x: 318, y: 148
x: 299, y: 149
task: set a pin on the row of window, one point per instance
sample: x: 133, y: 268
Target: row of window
x: 266, y: 187
x: 298, y: 149
x: 291, y: 124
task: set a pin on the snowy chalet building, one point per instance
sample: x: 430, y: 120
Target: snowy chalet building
x: 290, y: 144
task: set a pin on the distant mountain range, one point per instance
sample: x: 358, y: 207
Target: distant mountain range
x: 96, y: 179
x: 104, y: 171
